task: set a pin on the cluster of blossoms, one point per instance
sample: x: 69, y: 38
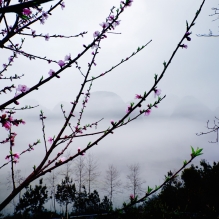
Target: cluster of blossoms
x: 188, y: 39
x: 157, y: 93
x: 61, y: 63
x: 7, y: 121
x: 10, y: 139
x: 14, y: 157
x: 105, y: 25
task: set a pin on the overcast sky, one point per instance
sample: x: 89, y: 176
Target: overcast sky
x: 190, y: 83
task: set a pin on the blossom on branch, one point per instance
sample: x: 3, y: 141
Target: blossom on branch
x: 96, y: 33
x: 16, y: 155
x: 50, y: 140
x: 157, y: 92
x: 61, y: 63
x: 51, y: 72
x: 22, y: 88
x: 148, y: 112
x: 184, y: 46
x: 68, y: 57
x: 62, y: 5
x: 138, y: 96
x: 26, y: 11
x: 47, y: 37
x: 104, y: 25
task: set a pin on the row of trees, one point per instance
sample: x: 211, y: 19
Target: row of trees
x: 193, y: 195
x: 85, y: 173
x: 33, y: 200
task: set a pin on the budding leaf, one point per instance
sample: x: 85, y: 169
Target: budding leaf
x: 41, y: 79
x: 197, y: 152
x: 149, y: 189
x: 155, y: 77
x: 165, y: 64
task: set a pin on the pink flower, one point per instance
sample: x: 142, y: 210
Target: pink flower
x: 45, y: 15
x: 42, y: 20
x: 96, y: 34
x: 33, y: 32
x: 138, y: 96
x: 157, y: 92
x: 129, y: 109
x: 7, y: 125
x: 16, y: 155
x: 116, y: 23
x: 132, y: 196
x: 7, y: 157
x: 104, y: 25
x: 11, y: 59
x: 61, y: 63
x: 22, y: 88
x: 184, y: 46
x: 47, y: 37
x: 130, y: 3
x: 111, y: 17
x: 94, y: 46
x: 10, y: 118
x: 51, y: 72
x: 15, y: 161
x: 112, y: 122
x: 50, y: 140
x: 27, y: 11
x: 68, y: 57
x: 62, y: 5
x: 148, y: 112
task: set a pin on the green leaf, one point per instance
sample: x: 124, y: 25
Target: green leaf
x: 24, y: 17
x: 165, y: 64
x: 193, y: 151
x: 41, y: 79
x: 149, y: 189
x: 138, y: 49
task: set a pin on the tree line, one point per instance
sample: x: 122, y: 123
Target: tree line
x: 193, y: 195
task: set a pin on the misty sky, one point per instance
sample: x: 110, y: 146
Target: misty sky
x: 159, y: 142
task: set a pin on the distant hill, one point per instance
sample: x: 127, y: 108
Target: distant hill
x: 191, y: 108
